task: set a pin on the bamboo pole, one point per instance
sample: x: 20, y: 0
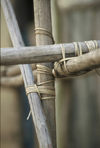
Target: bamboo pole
x: 34, y: 101
x: 79, y: 65
x: 47, y: 53
x: 78, y: 5
x: 14, y: 81
x: 42, y: 12
x: 12, y: 70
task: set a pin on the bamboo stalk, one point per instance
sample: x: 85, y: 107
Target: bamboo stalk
x: 47, y: 53
x: 42, y: 12
x: 78, y: 65
x: 78, y: 4
x: 12, y: 70
x: 34, y: 101
x: 14, y: 81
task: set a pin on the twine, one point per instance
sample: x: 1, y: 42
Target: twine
x: 42, y: 88
x: 48, y: 90
x: 78, y: 52
x: 44, y: 31
x: 78, y: 48
x: 64, y: 60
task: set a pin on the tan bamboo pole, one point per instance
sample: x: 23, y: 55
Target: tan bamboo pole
x: 42, y: 12
x: 34, y: 101
x: 79, y: 65
x: 14, y: 81
x: 12, y: 70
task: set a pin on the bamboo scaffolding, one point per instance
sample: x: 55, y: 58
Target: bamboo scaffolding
x: 34, y: 101
x: 42, y: 13
x: 46, y: 53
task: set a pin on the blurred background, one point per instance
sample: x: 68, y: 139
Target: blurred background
x: 77, y: 100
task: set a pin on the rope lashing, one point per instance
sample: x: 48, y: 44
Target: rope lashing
x: 65, y: 70
x: 61, y: 66
x: 44, y: 31
x: 78, y: 48
x: 42, y: 88
x: 43, y: 69
x: 48, y: 90
x: 63, y: 60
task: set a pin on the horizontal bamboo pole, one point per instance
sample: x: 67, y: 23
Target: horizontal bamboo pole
x: 12, y: 70
x: 79, y: 4
x: 38, y: 54
x: 14, y: 81
x: 78, y: 65
x: 38, y: 116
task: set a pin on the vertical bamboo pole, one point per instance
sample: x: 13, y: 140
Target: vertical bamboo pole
x: 42, y: 12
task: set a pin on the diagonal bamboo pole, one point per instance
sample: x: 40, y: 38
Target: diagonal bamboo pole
x: 34, y: 101
x: 46, y: 53
x: 42, y: 13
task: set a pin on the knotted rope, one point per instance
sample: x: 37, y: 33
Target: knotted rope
x: 62, y: 64
x: 92, y: 45
x: 42, y: 88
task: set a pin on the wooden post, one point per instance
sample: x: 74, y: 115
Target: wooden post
x: 42, y: 12
x: 34, y: 101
